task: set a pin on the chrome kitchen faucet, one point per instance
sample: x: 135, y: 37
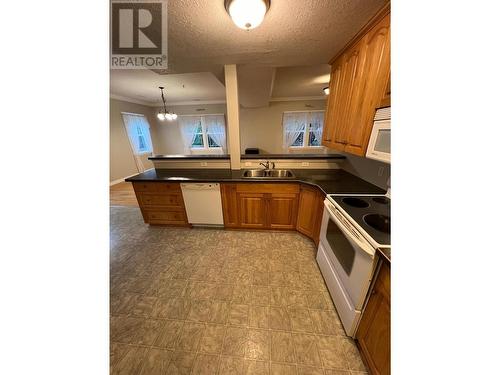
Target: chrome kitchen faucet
x: 268, y: 164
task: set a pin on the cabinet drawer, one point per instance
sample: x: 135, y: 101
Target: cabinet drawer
x: 160, y: 199
x: 145, y: 186
x: 168, y: 187
x: 267, y: 188
x: 160, y: 187
x: 165, y: 217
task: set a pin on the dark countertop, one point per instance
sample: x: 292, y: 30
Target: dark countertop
x: 330, y: 181
x: 249, y: 156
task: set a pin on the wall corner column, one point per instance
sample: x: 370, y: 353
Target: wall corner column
x: 233, y: 115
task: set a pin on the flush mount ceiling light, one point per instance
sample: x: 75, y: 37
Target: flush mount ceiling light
x: 247, y: 14
x: 164, y: 114
x: 326, y: 90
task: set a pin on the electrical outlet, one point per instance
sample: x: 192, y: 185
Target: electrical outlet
x: 204, y: 163
x: 305, y: 164
x: 381, y: 171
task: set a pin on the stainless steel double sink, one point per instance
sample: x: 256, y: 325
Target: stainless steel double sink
x: 268, y: 173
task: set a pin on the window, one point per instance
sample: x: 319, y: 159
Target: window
x: 137, y: 127
x: 203, y: 134
x: 302, y: 129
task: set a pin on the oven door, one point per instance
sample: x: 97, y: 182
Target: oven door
x: 379, y: 146
x: 351, y: 256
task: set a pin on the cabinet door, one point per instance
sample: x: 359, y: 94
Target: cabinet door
x: 252, y: 210
x: 146, y: 199
x: 306, y: 218
x: 319, y: 215
x: 229, y: 205
x: 171, y: 217
x: 386, y: 100
x: 374, y: 332
x: 372, y: 85
x: 351, y: 68
x: 282, y: 212
x: 333, y: 124
x: 343, y: 82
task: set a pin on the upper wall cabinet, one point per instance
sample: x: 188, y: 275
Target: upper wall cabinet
x: 359, y: 84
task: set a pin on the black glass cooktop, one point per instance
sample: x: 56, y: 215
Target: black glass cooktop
x: 372, y: 213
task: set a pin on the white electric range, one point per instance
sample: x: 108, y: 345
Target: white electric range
x: 352, y: 229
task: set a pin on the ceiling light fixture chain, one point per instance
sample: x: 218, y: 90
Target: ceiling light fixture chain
x: 165, y: 115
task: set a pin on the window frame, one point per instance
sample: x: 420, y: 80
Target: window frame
x: 206, y: 147
x: 142, y: 133
x: 306, y: 137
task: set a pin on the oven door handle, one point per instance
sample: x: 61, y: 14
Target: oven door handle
x: 363, y: 245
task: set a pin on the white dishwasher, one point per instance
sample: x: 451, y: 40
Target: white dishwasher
x: 203, y: 203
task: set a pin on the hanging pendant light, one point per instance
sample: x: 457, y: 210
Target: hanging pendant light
x: 164, y: 114
x: 247, y: 14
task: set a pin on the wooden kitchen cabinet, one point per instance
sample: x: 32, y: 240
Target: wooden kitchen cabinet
x: 282, y: 210
x: 310, y: 212
x: 345, y: 76
x: 359, y: 84
x: 374, y: 332
x: 386, y: 99
x: 260, y: 205
x: 374, y: 76
x: 161, y: 203
x: 253, y: 210
x: 229, y: 205
x: 333, y: 124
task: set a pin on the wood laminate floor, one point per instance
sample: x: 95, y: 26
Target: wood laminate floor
x: 122, y: 194
x: 216, y: 302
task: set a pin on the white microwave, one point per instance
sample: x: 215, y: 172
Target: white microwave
x: 379, y: 147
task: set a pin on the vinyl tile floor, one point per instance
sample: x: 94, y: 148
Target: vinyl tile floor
x: 211, y: 301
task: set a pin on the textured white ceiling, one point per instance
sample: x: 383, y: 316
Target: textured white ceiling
x: 299, y: 81
x: 203, y: 38
x: 255, y: 84
x: 142, y: 86
x: 300, y: 34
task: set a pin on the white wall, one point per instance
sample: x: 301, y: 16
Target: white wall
x: 259, y: 127
x: 262, y: 127
x: 373, y: 171
x: 121, y: 158
x: 249, y: 164
x: 168, y: 135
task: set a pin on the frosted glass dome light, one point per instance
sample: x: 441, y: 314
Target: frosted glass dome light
x: 247, y: 14
x: 161, y: 116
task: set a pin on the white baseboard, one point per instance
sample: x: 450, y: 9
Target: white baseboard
x: 123, y: 179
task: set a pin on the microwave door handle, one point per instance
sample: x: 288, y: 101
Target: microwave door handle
x: 361, y: 244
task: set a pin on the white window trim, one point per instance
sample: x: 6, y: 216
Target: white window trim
x: 306, y: 134
x: 149, y: 130
x: 205, y: 148
x: 145, y: 152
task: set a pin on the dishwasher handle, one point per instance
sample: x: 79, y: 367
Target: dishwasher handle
x: 200, y: 186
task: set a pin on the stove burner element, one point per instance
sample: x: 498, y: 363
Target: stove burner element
x: 378, y: 222
x: 355, y: 202
x: 381, y: 200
